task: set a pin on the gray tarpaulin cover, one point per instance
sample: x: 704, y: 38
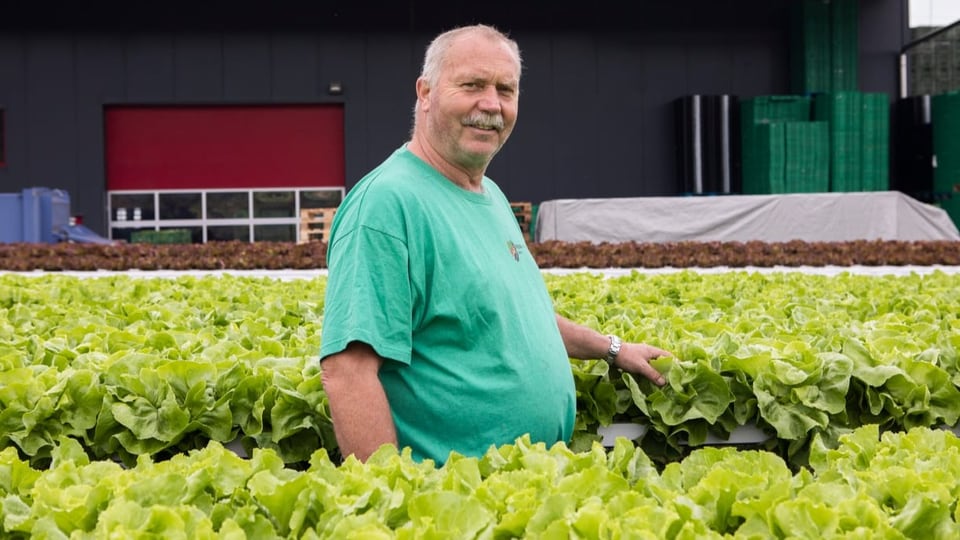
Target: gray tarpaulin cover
x: 814, y: 217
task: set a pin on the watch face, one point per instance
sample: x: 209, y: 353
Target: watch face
x: 614, y: 349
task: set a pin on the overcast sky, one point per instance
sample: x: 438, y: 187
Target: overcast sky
x: 934, y: 12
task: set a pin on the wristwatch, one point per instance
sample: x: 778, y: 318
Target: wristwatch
x: 614, y: 350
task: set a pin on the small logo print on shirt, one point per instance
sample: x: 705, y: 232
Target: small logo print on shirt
x: 514, y: 250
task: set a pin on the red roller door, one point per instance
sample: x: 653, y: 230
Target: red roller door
x: 213, y: 147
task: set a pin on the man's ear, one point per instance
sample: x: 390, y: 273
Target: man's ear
x: 423, y: 94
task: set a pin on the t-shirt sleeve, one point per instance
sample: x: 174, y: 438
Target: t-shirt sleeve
x: 368, y: 294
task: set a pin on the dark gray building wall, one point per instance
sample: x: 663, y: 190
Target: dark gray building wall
x: 596, y: 116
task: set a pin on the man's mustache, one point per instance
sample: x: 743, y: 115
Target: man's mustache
x: 484, y: 121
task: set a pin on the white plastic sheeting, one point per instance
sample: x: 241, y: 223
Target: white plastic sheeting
x: 814, y: 217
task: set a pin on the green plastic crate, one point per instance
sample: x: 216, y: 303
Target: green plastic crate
x: 843, y: 112
x: 781, y: 108
x: 763, y: 159
x: 807, y: 147
x: 945, y: 115
x: 951, y: 206
x: 168, y: 236
x: 875, y: 154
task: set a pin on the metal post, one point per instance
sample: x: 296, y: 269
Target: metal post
x: 903, y: 75
x: 725, y: 140
x: 697, y: 147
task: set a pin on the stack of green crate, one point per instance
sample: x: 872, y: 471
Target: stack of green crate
x: 945, y: 115
x: 167, y: 236
x: 875, y: 154
x: 824, y: 46
x: 843, y: 113
x: 782, y: 150
x: 810, y: 46
x: 762, y: 140
x: 845, y: 45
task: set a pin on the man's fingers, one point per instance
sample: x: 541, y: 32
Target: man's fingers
x: 651, y: 372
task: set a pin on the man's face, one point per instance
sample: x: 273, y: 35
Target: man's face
x: 473, y: 108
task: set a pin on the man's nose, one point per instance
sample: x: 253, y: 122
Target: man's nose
x: 490, y: 99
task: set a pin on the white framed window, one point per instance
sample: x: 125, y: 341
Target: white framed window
x: 249, y: 215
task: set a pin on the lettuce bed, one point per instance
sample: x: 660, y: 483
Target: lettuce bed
x: 794, y: 354
x: 130, y: 366
x: 118, y: 394
x: 898, y: 485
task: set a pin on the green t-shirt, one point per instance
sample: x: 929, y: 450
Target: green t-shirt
x: 439, y: 281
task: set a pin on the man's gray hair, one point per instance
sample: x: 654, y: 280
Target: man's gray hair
x: 437, y: 50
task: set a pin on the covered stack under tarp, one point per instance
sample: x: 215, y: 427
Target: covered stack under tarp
x: 814, y: 217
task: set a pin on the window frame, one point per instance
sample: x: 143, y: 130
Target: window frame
x: 153, y: 219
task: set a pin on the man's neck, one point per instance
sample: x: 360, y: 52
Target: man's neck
x: 470, y: 180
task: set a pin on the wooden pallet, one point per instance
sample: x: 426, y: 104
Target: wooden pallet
x: 315, y: 224
x: 523, y: 212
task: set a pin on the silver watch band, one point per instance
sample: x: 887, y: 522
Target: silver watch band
x: 614, y: 350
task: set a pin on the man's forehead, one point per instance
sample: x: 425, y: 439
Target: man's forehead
x: 477, y: 72
x: 470, y: 63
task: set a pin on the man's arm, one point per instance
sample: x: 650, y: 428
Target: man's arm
x: 583, y: 342
x: 358, y: 405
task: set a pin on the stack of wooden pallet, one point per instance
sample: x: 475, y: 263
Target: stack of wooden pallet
x: 315, y: 224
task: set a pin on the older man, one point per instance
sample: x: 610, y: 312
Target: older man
x: 439, y: 333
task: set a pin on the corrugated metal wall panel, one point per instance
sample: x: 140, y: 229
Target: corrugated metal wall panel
x: 634, y: 60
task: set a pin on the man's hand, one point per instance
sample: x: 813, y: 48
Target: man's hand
x: 636, y: 357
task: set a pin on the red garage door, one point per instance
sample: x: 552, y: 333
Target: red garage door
x: 216, y: 147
